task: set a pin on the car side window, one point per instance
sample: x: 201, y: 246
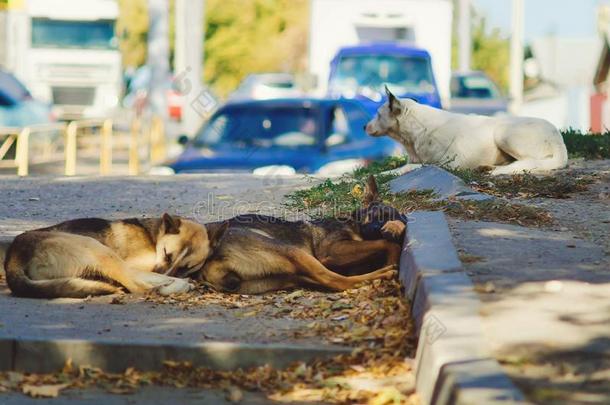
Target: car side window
x: 339, y: 130
x: 213, y: 132
x: 6, y: 100
x: 12, y: 88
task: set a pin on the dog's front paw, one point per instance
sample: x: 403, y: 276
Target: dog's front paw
x: 389, y: 275
x: 176, y: 286
x: 393, y: 230
x: 386, y: 273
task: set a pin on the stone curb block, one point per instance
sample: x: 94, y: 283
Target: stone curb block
x: 444, y: 184
x: 43, y: 356
x: 453, y: 364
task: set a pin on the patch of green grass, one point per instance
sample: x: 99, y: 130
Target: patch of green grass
x: 470, y: 176
x: 342, y: 196
x: 377, y: 167
x: 587, y: 145
x: 333, y: 198
x: 413, y: 200
x: 327, y: 199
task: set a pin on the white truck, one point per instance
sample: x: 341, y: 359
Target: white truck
x: 425, y: 24
x: 66, y: 52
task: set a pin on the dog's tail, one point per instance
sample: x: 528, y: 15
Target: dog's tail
x: 60, y: 288
x: 23, y: 286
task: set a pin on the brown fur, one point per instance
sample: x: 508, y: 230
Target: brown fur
x: 93, y: 256
x: 257, y: 254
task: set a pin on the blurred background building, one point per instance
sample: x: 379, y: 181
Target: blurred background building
x: 66, y: 54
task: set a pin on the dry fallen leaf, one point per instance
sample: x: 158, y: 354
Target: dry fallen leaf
x: 387, y: 396
x: 234, y: 394
x: 43, y: 391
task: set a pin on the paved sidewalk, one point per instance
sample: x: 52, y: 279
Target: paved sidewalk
x: 255, y: 324
x: 218, y: 331
x: 546, y: 307
x: 39, y: 201
x: 136, y: 320
x: 145, y: 396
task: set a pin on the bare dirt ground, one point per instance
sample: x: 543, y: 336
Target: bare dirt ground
x: 546, y: 292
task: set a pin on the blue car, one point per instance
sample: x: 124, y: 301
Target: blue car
x: 361, y: 73
x: 284, y: 136
x: 17, y: 107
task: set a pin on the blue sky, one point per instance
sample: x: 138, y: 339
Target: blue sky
x: 566, y: 18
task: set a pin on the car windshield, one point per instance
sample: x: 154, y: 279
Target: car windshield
x: 403, y: 74
x: 473, y: 87
x: 11, y: 90
x: 257, y: 127
x: 73, y: 34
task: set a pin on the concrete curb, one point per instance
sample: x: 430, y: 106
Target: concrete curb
x: 44, y: 356
x: 453, y: 364
x: 444, y: 184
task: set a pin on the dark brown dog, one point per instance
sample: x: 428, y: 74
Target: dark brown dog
x: 258, y: 254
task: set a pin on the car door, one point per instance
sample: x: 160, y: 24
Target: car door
x: 347, y: 138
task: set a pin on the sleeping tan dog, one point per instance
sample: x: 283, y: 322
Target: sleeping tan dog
x: 432, y: 136
x: 94, y: 256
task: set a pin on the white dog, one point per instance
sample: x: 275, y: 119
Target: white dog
x: 432, y: 136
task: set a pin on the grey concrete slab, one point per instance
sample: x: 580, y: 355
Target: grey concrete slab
x: 462, y: 384
x: 139, y: 320
x: 548, y: 289
x: 451, y: 333
x: 510, y: 254
x: 144, y: 396
x: 430, y: 237
x: 444, y: 184
x: 46, y: 356
x: 143, y: 334
x: 446, y: 310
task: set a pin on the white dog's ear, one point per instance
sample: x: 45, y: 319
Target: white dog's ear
x: 394, y: 103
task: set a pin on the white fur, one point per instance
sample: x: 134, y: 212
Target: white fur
x: 433, y: 136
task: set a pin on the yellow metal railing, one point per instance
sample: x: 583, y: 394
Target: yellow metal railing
x: 21, y: 138
x: 151, y: 136
x: 10, y: 137
x: 105, y: 128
